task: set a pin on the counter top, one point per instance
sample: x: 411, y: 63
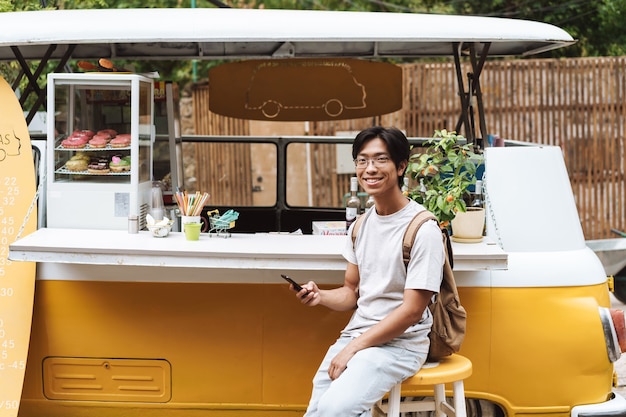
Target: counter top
x: 240, y: 251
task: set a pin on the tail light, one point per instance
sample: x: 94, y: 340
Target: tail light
x: 613, y: 325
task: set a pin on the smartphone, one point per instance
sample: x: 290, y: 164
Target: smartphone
x: 296, y: 286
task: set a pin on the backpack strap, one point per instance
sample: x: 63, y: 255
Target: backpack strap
x: 357, y: 225
x: 447, y: 244
x: 411, y: 232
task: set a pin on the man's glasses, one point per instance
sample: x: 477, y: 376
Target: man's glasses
x: 379, y: 161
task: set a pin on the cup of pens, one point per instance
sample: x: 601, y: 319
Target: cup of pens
x: 191, y: 206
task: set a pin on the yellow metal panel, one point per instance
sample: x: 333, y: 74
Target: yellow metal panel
x: 252, y: 349
x: 296, y: 338
x: 476, y: 345
x: 547, y: 350
x: 229, y: 345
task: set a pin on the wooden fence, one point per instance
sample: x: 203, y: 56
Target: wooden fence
x: 575, y: 103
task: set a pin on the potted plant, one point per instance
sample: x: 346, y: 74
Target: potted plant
x: 442, y: 175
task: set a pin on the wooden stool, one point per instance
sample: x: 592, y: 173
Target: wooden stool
x: 452, y: 369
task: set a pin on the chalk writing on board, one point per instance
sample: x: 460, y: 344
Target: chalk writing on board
x: 10, y: 145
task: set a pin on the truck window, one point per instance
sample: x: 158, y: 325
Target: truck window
x: 238, y: 174
x: 318, y: 174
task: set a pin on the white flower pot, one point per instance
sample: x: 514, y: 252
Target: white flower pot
x: 467, y: 227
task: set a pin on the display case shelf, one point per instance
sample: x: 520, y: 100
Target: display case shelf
x: 106, y: 174
x: 92, y: 149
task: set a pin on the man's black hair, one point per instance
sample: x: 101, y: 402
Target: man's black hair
x: 397, y: 144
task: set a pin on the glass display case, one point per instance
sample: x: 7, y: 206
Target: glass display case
x: 100, y: 139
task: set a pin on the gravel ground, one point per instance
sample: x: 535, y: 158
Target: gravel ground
x: 620, y: 365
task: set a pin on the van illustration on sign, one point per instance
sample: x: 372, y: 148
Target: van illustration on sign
x: 327, y: 85
x: 305, y: 89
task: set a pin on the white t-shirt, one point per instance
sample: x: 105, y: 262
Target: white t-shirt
x: 383, y: 276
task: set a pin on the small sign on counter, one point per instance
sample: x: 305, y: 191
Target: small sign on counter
x: 329, y: 228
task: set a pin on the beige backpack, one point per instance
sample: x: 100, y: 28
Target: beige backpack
x: 449, y: 316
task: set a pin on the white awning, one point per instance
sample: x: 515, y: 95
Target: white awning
x: 212, y: 33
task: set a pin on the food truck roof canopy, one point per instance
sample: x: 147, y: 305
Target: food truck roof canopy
x: 219, y: 33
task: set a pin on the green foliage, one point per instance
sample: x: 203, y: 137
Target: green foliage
x: 398, y: 6
x: 610, y: 35
x: 444, y: 172
x: 597, y: 25
x: 15, y: 6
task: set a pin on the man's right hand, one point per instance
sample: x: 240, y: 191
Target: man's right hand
x: 310, y: 294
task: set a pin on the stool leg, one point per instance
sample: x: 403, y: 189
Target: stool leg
x: 393, y: 405
x: 440, y: 397
x: 458, y: 390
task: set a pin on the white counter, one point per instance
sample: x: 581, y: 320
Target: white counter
x: 249, y: 257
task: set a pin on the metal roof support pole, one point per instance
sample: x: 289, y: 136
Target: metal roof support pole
x: 463, y: 96
x: 281, y: 176
x: 41, y: 100
x: 32, y: 78
x: 177, y: 180
x: 16, y: 81
x: 473, y: 90
x: 477, y: 68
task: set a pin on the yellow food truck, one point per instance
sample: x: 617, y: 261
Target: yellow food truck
x: 125, y: 324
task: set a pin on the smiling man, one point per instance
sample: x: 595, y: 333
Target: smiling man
x: 386, y: 340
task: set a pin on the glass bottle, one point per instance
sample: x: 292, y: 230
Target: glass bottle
x: 477, y: 201
x: 422, y: 191
x: 156, y: 208
x: 353, y: 205
x: 369, y: 203
x: 405, y: 186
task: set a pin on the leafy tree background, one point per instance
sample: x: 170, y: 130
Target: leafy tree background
x: 597, y: 24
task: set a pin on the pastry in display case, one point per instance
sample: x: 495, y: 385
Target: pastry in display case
x: 100, y: 148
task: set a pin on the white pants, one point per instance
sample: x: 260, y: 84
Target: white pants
x: 370, y: 374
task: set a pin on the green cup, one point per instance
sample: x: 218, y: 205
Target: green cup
x: 192, y: 230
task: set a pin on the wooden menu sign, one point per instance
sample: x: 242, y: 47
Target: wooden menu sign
x: 18, y: 217
x: 305, y: 89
